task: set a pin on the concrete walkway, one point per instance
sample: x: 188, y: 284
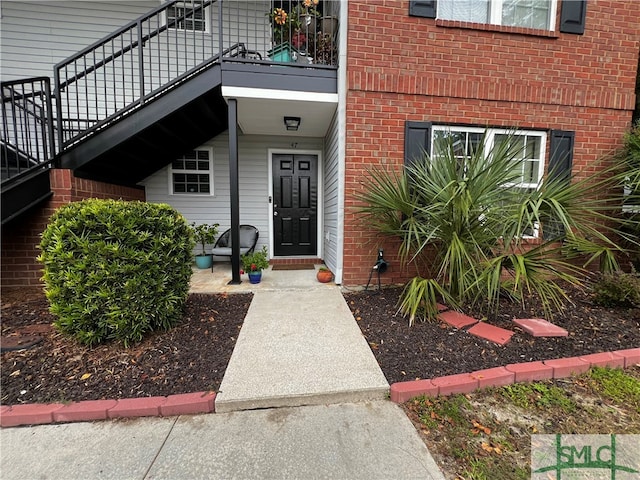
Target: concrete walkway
x: 348, y: 441
x: 299, y: 349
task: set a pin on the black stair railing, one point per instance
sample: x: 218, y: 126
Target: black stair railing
x: 27, y: 140
x: 175, y: 41
x: 134, y: 64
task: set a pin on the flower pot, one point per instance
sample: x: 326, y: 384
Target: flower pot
x: 203, y: 261
x: 324, y: 276
x: 329, y: 25
x: 280, y: 53
x: 255, y: 277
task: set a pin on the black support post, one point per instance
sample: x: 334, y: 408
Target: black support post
x: 235, y: 192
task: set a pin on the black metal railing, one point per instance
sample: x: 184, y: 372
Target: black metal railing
x: 27, y: 140
x: 175, y: 41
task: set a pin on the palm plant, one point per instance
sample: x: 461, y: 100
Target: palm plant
x: 478, y: 227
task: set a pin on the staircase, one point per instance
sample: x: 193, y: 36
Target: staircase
x: 132, y: 102
x: 27, y: 145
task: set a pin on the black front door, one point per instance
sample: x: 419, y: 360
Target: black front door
x: 295, y: 197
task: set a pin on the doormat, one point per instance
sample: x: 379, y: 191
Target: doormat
x: 292, y: 266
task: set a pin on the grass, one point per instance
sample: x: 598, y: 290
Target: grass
x: 487, y: 434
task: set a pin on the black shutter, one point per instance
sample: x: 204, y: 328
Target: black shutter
x: 572, y: 16
x: 423, y: 8
x: 561, y: 156
x: 417, y: 140
x: 560, y: 164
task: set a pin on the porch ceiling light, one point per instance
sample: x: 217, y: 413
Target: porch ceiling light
x: 292, y: 123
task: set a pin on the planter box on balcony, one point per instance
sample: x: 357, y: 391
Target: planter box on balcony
x: 281, y: 53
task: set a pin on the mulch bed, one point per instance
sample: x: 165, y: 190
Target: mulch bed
x: 433, y: 349
x: 191, y: 357
x: 194, y: 355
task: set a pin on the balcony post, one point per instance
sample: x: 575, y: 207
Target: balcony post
x: 234, y: 191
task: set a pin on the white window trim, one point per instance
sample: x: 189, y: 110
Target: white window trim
x: 171, y: 171
x: 489, y: 141
x: 495, y: 14
x: 207, y: 20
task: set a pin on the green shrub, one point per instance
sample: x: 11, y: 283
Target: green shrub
x: 115, y: 270
x: 617, y: 290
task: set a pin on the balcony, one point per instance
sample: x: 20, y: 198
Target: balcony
x: 132, y: 101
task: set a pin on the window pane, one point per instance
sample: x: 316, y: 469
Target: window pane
x: 191, y: 155
x: 190, y: 165
x: 178, y: 164
x: 203, y: 165
x: 476, y: 11
x: 526, y: 13
x: 179, y: 177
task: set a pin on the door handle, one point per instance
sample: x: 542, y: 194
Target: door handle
x: 275, y: 214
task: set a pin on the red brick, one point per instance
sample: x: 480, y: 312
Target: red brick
x: 137, y: 407
x: 402, y: 391
x: 530, y: 371
x: 32, y: 414
x: 457, y: 319
x: 605, y: 359
x: 631, y: 356
x: 188, y: 404
x: 565, y: 367
x: 494, y: 377
x: 84, y: 411
x: 539, y: 327
x: 460, y: 383
x: 491, y: 332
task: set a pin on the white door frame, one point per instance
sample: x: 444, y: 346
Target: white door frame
x: 320, y: 197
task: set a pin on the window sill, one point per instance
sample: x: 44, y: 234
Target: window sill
x: 488, y: 27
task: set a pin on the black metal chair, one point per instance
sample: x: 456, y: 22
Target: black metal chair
x: 248, y: 240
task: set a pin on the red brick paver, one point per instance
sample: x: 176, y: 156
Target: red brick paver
x: 494, y: 377
x: 565, y: 367
x: 457, y: 319
x: 530, y: 371
x: 492, y: 333
x: 460, y: 383
x: 188, y: 404
x: 631, y: 356
x: 32, y: 414
x: 539, y: 327
x: 605, y: 359
x: 84, y: 411
x: 403, y: 391
x: 137, y: 407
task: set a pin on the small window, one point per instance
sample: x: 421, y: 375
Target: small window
x: 192, y: 174
x: 538, y: 14
x: 188, y: 15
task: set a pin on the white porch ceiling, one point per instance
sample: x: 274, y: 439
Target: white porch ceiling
x: 262, y: 111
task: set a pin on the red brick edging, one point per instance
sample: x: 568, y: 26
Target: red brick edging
x: 204, y: 402
x: 515, y: 372
x: 42, y: 413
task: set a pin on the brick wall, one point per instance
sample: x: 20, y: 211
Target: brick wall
x: 408, y: 68
x: 21, y: 237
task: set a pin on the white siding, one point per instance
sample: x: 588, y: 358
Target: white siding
x: 253, y: 182
x: 34, y: 36
x: 331, y: 195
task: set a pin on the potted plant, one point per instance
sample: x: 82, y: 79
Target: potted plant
x: 254, y: 263
x: 205, y: 234
x: 324, y: 275
x: 283, y: 27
